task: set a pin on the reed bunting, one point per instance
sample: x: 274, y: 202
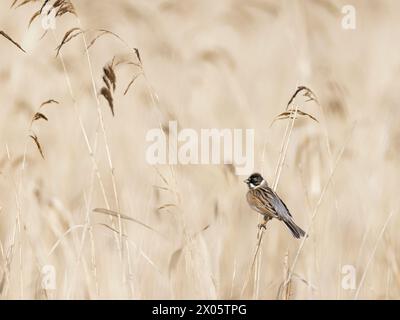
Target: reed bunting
x: 264, y: 200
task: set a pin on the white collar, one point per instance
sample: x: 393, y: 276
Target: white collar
x: 262, y: 184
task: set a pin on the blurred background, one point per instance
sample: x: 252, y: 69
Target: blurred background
x: 206, y: 64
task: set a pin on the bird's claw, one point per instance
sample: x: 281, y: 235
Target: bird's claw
x: 262, y: 226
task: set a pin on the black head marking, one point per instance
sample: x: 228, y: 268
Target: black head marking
x: 254, y: 180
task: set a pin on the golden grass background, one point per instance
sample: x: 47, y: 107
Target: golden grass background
x: 224, y: 64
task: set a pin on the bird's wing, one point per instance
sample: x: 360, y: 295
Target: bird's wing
x: 280, y: 207
x: 260, y: 200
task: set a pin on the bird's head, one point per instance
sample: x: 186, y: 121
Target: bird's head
x: 254, y: 180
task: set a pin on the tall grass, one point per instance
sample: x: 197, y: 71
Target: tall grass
x: 77, y: 194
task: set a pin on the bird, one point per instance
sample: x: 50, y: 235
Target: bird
x: 265, y: 201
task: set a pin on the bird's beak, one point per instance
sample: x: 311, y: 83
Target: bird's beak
x: 246, y: 181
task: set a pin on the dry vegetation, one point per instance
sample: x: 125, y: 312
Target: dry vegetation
x: 76, y: 191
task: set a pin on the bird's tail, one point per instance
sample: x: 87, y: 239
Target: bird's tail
x: 294, y: 228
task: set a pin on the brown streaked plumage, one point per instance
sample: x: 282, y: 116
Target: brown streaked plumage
x: 265, y: 201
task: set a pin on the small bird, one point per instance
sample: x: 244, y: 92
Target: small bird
x: 264, y: 200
